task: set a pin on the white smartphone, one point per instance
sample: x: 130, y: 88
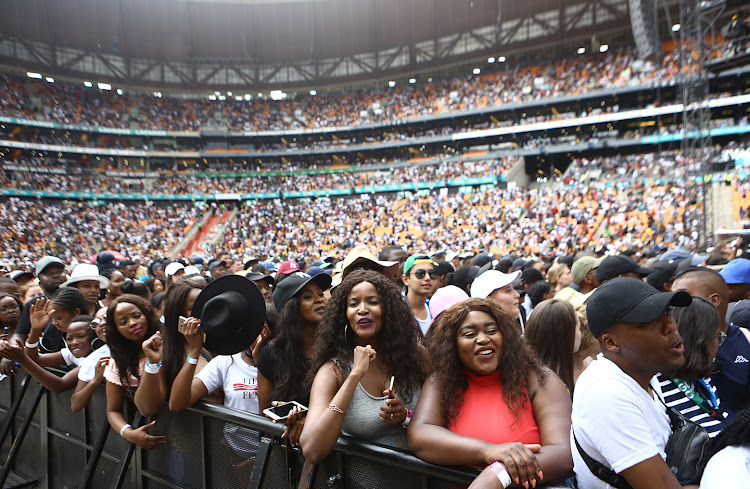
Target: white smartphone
x: 281, y: 412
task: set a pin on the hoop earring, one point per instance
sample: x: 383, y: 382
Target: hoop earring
x: 345, y: 328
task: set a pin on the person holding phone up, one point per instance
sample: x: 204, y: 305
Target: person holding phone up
x: 366, y: 374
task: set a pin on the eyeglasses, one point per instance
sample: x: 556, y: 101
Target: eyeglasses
x: 721, y: 337
x: 419, y: 274
x: 10, y: 308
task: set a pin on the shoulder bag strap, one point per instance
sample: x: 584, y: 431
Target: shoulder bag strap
x: 600, y: 470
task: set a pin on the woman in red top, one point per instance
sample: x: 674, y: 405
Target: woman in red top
x: 489, y: 399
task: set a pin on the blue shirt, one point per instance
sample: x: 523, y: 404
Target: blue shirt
x: 733, y: 360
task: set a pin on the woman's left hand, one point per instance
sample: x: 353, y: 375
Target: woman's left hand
x: 393, y: 412
x: 13, y: 353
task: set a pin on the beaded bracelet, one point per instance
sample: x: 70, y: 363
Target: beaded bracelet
x: 336, y: 409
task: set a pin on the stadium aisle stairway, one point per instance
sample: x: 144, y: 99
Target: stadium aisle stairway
x: 216, y: 220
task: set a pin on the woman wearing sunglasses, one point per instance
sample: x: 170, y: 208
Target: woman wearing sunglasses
x: 689, y: 389
x: 91, y: 371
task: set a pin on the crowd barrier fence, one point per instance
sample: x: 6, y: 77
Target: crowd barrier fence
x: 44, y: 444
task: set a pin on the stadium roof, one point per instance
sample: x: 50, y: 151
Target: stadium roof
x: 277, y: 44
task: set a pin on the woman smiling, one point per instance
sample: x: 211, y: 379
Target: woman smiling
x: 490, y: 401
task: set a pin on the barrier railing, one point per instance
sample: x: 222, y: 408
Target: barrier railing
x: 45, y: 444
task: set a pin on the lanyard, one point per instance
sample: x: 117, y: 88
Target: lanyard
x: 690, y: 393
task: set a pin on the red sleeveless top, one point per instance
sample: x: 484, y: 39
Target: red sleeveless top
x: 485, y: 414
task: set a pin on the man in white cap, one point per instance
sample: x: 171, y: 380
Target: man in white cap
x: 85, y: 277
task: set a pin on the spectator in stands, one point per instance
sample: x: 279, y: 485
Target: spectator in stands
x: 30, y: 291
x: 617, y: 421
x: 620, y: 266
x: 85, y: 277
x: 67, y: 303
x: 395, y: 253
x: 442, y: 270
x: 130, y: 321
x: 540, y: 291
x: 559, y: 276
x: 50, y: 272
x: 264, y: 284
x: 732, y: 377
x: 218, y: 269
x: 79, y: 342
x: 419, y: 272
x: 128, y: 268
x: 489, y: 401
x: 736, y: 274
x: 463, y: 277
x: 157, y: 300
x: 285, y: 362
x: 116, y: 278
x: 689, y: 389
x: 8, y: 286
x: 91, y: 371
x: 584, y: 275
x: 135, y: 287
x: 173, y: 272
x: 589, y: 348
x: 663, y: 275
x: 155, y: 284
x: 553, y: 332
x: 366, y: 367
x: 498, y: 287
x: 529, y: 277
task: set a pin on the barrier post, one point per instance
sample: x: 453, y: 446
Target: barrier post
x: 16, y: 447
x: 95, y: 454
x: 122, y: 468
x: 14, y: 409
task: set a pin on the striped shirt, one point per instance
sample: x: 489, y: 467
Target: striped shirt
x: 675, y: 398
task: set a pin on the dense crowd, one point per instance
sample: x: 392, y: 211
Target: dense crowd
x: 71, y: 104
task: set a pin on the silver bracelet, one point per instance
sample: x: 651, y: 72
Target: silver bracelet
x: 122, y: 430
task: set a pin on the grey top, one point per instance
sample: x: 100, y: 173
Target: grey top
x: 362, y: 419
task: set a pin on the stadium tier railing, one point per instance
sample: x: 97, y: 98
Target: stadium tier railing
x: 44, y: 444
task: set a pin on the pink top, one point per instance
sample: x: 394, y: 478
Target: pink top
x: 113, y: 375
x: 485, y: 414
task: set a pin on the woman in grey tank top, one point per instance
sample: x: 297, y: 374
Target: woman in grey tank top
x: 366, y: 340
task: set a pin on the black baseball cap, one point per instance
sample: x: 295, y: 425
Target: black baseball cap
x: 629, y: 300
x: 294, y: 283
x: 614, y: 266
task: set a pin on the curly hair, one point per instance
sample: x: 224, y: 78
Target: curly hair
x: 173, y: 355
x: 125, y: 352
x: 398, y: 339
x: 697, y: 324
x: 517, y: 360
x: 551, y: 331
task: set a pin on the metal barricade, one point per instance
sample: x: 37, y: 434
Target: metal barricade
x: 208, y: 446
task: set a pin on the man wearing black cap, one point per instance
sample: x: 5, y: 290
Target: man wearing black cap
x: 618, y: 421
x: 264, y: 283
x: 620, y: 266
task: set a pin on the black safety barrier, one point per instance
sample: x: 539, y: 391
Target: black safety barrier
x: 208, y: 446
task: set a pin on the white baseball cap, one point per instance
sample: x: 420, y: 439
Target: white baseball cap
x: 173, y: 268
x: 490, y: 281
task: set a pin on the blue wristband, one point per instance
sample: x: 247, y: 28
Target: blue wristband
x: 192, y: 361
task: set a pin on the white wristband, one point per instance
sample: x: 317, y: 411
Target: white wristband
x: 122, y: 430
x: 191, y: 361
x: 152, y: 368
x: 501, y: 473
x: 31, y: 345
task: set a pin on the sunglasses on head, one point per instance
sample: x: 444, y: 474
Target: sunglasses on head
x: 419, y: 274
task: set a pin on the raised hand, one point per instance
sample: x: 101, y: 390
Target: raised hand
x: 152, y: 348
x: 39, y: 314
x: 193, y: 335
x: 363, y: 356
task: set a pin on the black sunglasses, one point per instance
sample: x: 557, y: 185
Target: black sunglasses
x: 419, y: 274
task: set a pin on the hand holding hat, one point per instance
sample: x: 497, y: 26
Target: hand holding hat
x: 231, y: 310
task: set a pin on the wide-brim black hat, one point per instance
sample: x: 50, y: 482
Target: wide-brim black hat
x: 232, y: 312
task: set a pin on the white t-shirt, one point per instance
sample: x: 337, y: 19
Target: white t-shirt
x: 239, y: 381
x: 87, y: 372
x: 730, y: 467
x: 70, y: 359
x: 616, y: 421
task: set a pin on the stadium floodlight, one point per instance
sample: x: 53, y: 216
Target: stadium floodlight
x: 119, y: 91
x: 248, y: 96
x: 392, y: 83
x: 313, y: 92
x: 277, y: 95
x: 222, y: 97
x: 50, y: 79
x: 603, y: 48
x: 429, y: 80
x: 412, y: 80
x: 31, y: 74
x: 581, y: 50
x: 477, y: 71
x: 490, y: 60
x: 87, y: 84
x: 105, y: 86
x: 212, y: 97
x: 501, y: 59
x: 229, y: 94
x: 217, y: 93
x: 676, y: 27
x: 238, y: 97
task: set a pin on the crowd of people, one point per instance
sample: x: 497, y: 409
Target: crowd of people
x: 72, y: 104
x: 455, y: 357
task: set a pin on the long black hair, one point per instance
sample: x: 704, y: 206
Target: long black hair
x: 125, y: 352
x: 173, y: 341
x: 287, y: 352
x: 398, y: 341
